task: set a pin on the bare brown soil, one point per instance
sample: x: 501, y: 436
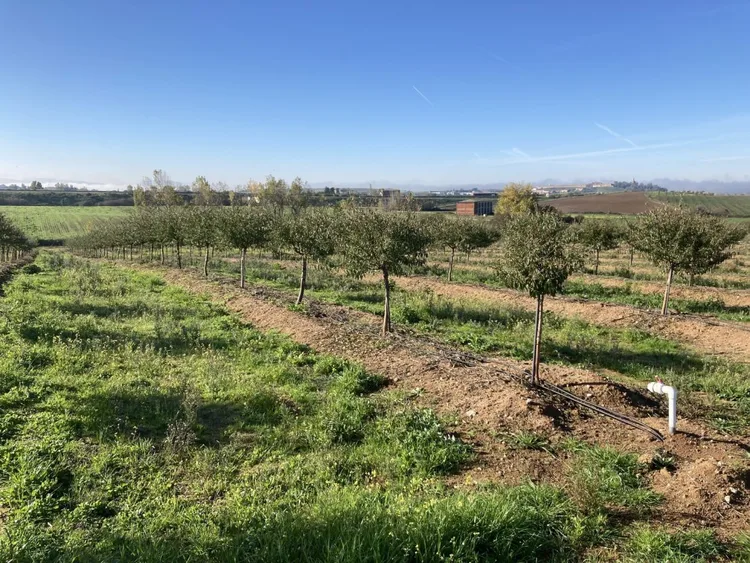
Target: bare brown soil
x: 729, y: 340
x: 626, y: 203
x: 490, y: 402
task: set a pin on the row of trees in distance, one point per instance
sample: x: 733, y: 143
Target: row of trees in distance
x: 539, y: 249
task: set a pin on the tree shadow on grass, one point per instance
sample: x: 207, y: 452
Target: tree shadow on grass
x: 157, y: 414
x: 624, y: 361
x: 176, y: 338
x: 124, y: 310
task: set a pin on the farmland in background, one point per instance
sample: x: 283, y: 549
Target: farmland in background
x: 630, y: 203
x: 59, y: 222
x: 625, y: 203
x: 731, y: 205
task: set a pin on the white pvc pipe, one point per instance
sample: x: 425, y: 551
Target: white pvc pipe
x: 671, y: 393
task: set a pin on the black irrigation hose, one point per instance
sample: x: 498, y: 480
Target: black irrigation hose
x: 555, y: 390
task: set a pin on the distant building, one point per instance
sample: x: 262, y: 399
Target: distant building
x: 388, y: 194
x: 474, y: 207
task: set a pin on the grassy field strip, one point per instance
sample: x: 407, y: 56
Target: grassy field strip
x: 142, y: 423
x: 59, y: 222
x: 733, y: 205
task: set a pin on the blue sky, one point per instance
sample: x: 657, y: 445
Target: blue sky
x: 417, y: 92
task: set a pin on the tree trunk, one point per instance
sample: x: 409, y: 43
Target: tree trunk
x: 632, y: 251
x: 243, y: 255
x: 665, y: 303
x: 179, y: 257
x: 691, y: 279
x: 450, y: 267
x: 205, y: 261
x: 596, y: 263
x: 387, y: 303
x: 302, y: 280
x: 537, y: 339
x: 163, y: 257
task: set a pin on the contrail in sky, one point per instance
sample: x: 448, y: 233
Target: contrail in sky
x: 521, y: 153
x: 614, y: 134
x: 425, y: 98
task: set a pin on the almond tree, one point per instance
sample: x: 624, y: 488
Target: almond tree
x: 244, y: 227
x: 202, y: 229
x: 598, y: 235
x: 311, y: 235
x: 537, y: 258
x: 465, y: 234
x: 683, y: 240
x: 386, y: 242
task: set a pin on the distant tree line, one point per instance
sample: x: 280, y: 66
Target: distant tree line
x: 634, y: 186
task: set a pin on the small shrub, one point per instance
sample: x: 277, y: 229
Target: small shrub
x: 603, y: 479
x: 31, y: 269
x: 648, y: 544
x: 418, y: 443
x: 344, y: 418
x: 524, y: 440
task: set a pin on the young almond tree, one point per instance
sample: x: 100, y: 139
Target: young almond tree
x: 173, y: 228
x: 386, y: 242
x: 477, y: 233
x: 310, y: 234
x: 537, y: 258
x: 683, y: 240
x: 598, y: 235
x: 447, y: 232
x: 202, y: 230
x: 244, y: 227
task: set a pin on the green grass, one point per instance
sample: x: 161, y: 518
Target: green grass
x: 59, y: 222
x: 142, y: 423
x: 731, y: 205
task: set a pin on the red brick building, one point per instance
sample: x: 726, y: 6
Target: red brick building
x: 474, y: 207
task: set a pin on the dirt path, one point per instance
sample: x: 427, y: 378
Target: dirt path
x: 489, y: 402
x: 728, y: 340
x: 730, y: 297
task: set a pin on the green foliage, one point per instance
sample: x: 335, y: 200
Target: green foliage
x: 535, y: 255
x: 376, y: 240
x: 244, y: 227
x: 598, y: 235
x: 683, y: 239
x: 312, y: 233
x: 12, y: 238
